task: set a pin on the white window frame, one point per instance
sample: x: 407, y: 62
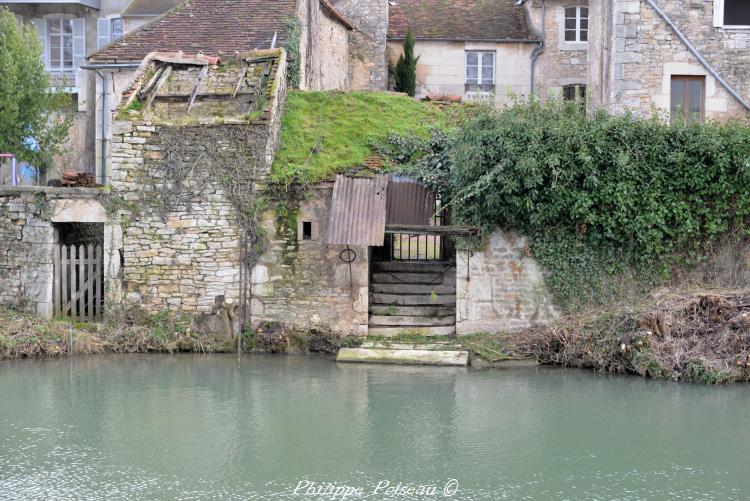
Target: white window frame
x: 719, y: 18
x: 578, y: 18
x: 480, y: 75
x: 62, y: 37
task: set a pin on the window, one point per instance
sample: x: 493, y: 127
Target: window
x: 577, y: 24
x: 109, y: 29
x: 60, y: 43
x: 306, y: 230
x: 732, y: 13
x: 687, y: 98
x: 576, y: 93
x: 480, y: 71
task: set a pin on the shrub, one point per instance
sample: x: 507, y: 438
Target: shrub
x: 600, y: 196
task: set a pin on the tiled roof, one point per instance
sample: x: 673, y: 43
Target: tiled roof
x: 459, y: 20
x: 149, y: 7
x: 210, y: 26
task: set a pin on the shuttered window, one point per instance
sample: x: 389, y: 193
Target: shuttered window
x: 109, y: 29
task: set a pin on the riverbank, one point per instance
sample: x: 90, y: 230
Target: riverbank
x: 701, y: 337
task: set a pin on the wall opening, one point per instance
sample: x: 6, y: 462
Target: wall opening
x: 77, y: 287
x: 306, y: 230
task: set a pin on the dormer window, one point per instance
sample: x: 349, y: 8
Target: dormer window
x: 732, y: 13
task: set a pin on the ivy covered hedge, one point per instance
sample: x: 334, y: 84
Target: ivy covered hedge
x: 599, y: 196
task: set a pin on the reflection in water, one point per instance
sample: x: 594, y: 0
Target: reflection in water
x: 218, y: 427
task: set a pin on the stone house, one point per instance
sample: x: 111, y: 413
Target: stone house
x: 476, y: 50
x: 684, y: 58
x: 68, y: 32
x: 221, y: 28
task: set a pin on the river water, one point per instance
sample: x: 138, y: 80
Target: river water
x: 259, y: 427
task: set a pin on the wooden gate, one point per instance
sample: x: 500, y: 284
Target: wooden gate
x: 77, y: 286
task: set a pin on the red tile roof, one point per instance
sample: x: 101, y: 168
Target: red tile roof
x: 491, y: 20
x: 210, y: 26
x: 149, y: 7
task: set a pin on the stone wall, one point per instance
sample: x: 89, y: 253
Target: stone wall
x: 500, y: 288
x: 442, y: 67
x: 646, y: 53
x: 303, y: 282
x: 171, y: 177
x: 562, y: 63
x: 367, y: 42
x: 324, y: 46
x: 28, y: 237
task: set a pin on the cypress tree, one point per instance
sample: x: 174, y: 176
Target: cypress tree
x: 405, y: 75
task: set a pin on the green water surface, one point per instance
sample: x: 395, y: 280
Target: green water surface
x: 257, y: 427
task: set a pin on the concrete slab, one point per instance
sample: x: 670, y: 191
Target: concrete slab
x: 403, y: 357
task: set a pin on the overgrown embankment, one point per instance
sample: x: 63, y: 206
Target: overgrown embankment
x: 697, y: 337
x: 615, y: 207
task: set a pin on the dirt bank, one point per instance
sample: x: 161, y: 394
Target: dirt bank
x: 698, y: 337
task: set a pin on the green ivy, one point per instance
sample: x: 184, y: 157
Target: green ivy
x: 600, y: 196
x: 293, y: 37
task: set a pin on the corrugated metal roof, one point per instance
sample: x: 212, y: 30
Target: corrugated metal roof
x: 358, y: 211
x: 409, y: 202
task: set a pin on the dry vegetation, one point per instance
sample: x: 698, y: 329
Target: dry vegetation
x: 23, y: 335
x: 698, y: 337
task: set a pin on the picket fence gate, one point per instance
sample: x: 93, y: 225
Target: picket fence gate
x: 77, y: 286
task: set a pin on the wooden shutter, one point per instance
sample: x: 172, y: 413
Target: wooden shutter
x: 41, y: 29
x: 79, y: 41
x: 102, y: 32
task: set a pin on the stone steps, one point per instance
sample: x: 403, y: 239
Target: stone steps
x: 417, y: 311
x: 414, y: 299
x: 447, y: 330
x: 411, y: 266
x: 401, y: 356
x: 428, y: 278
x: 413, y: 289
x: 412, y: 296
x: 411, y: 321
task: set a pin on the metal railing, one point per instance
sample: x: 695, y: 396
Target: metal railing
x: 423, y: 247
x: 62, y: 78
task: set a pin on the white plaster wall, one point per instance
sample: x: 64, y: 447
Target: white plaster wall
x: 442, y: 67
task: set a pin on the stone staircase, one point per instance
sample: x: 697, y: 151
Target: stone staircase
x: 418, y: 297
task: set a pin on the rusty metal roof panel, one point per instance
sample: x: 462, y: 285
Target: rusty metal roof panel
x: 409, y: 202
x: 358, y: 211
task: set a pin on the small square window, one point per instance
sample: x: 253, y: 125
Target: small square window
x: 306, y: 230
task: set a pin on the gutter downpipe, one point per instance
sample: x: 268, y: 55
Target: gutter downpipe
x: 98, y: 69
x: 698, y: 55
x: 538, y: 51
x: 104, y: 127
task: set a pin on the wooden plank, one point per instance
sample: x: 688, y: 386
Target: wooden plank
x: 73, y: 288
x: 90, y: 280
x: 144, y: 90
x: 243, y: 73
x: 81, y: 284
x: 428, y: 229
x: 162, y: 80
x: 99, y: 273
x: 201, y: 76
x: 64, y: 280
x: 56, y: 283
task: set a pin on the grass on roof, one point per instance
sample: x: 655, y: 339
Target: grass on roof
x: 327, y: 132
